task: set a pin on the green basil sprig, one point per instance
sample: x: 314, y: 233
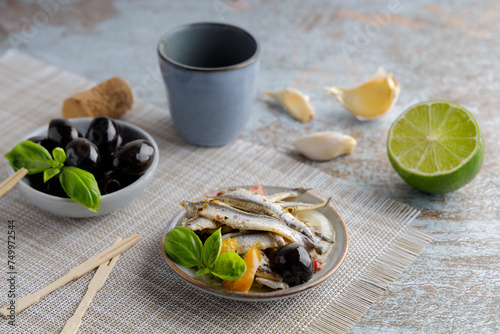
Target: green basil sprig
x: 35, y: 158
x: 185, y: 248
x: 60, y: 158
x: 79, y: 185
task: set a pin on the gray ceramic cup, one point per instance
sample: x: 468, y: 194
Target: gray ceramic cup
x: 210, y: 72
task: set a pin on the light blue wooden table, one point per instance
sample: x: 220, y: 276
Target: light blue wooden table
x: 447, y: 51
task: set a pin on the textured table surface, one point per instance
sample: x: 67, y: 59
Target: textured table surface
x: 446, y: 51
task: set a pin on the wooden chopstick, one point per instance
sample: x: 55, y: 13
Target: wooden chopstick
x: 74, y: 273
x: 95, y: 285
x: 12, y: 180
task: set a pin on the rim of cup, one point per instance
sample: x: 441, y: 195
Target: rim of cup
x: 253, y: 58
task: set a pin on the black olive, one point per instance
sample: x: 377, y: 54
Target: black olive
x: 134, y: 158
x: 62, y: 131
x: 294, y: 264
x: 126, y: 179
x: 54, y: 187
x: 45, y: 142
x: 83, y: 153
x: 106, y: 134
x: 111, y: 181
x: 37, y: 139
x: 108, y: 182
x: 51, y: 187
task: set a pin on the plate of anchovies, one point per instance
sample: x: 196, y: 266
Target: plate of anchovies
x: 255, y: 243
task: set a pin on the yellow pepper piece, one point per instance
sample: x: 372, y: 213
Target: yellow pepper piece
x: 252, y: 260
x: 229, y: 245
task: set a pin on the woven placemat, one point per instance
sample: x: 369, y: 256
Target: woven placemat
x: 142, y: 295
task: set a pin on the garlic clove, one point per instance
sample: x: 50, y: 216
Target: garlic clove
x: 295, y: 103
x: 371, y: 99
x: 325, y: 145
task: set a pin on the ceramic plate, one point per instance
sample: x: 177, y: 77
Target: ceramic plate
x: 334, y: 258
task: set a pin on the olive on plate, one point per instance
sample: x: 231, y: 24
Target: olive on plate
x: 134, y: 158
x: 83, y: 153
x: 106, y: 134
x: 294, y: 264
x: 62, y: 131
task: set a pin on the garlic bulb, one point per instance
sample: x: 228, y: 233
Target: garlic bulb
x: 294, y: 102
x: 371, y: 99
x: 325, y: 145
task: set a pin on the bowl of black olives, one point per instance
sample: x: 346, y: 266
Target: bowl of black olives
x: 121, y: 157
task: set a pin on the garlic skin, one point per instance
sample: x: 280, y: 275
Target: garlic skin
x: 325, y: 145
x: 370, y: 100
x: 294, y: 102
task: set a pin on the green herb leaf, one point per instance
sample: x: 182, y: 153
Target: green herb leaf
x: 35, y: 158
x: 50, y: 173
x: 211, y: 248
x: 203, y: 271
x: 81, y: 186
x: 184, y: 247
x: 59, y: 155
x: 54, y: 164
x: 229, y: 266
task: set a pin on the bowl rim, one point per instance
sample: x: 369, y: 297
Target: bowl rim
x: 256, y: 296
x: 136, y: 183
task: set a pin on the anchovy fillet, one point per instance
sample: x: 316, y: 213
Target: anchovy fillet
x: 241, y: 220
x: 265, y: 269
x: 261, y: 241
x: 324, y: 237
x: 249, y: 201
x: 197, y: 224
x: 271, y: 283
x: 280, y: 241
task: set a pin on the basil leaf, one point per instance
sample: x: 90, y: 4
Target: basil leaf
x: 35, y: 158
x: 81, y: 186
x: 50, y: 173
x: 229, y: 266
x: 59, y: 155
x: 203, y: 271
x: 211, y: 248
x: 55, y: 164
x: 184, y: 247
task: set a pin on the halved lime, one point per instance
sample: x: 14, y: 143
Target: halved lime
x: 436, y: 146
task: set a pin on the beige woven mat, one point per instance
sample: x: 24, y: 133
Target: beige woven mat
x: 142, y: 295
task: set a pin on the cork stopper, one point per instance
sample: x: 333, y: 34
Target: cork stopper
x: 111, y: 98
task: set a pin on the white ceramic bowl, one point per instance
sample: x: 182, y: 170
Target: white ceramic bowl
x: 109, y: 202
x: 332, y: 262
